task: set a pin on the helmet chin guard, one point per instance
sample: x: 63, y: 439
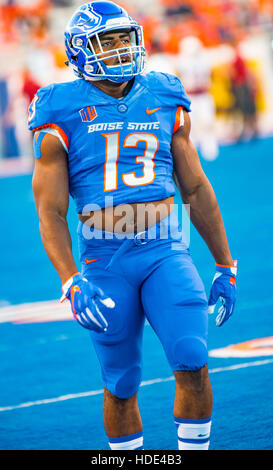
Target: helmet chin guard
x: 87, y: 25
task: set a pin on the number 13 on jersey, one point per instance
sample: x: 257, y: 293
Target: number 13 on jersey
x: 112, y: 157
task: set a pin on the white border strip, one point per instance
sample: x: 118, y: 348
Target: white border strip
x: 143, y: 384
x: 36, y: 312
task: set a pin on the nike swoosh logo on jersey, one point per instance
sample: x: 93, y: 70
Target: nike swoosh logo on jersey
x: 88, y: 261
x: 151, y: 111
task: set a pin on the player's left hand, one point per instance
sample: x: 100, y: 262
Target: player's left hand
x: 223, y: 287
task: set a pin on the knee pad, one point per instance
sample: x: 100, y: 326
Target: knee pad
x: 126, y: 383
x: 190, y: 353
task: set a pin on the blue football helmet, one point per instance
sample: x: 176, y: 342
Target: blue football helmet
x: 83, y: 32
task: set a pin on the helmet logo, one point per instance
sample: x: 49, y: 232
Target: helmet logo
x: 87, y: 19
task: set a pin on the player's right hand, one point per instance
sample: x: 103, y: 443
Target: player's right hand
x: 86, y: 301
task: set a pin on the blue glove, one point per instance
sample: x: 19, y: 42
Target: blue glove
x: 87, y: 301
x: 223, y: 287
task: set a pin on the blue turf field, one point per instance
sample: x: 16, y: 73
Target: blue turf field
x: 50, y: 392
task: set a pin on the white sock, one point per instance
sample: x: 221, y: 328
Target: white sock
x: 131, y: 442
x: 193, y: 434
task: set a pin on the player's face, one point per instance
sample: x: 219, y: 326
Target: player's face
x: 110, y: 41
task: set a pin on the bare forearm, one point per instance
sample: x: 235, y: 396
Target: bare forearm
x: 57, y: 243
x: 196, y: 191
x: 206, y: 217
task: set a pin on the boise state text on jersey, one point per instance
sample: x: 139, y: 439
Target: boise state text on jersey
x: 116, y: 147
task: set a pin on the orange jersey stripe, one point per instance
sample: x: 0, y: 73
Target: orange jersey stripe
x: 177, y: 122
x: 58, y: 128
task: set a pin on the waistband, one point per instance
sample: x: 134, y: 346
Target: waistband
x: 167, y: 228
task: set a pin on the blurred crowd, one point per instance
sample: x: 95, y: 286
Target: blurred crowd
x: 221, y: 49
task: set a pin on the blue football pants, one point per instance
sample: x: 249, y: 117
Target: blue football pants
x: 148, y: 276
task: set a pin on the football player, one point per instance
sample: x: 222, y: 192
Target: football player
x: 115, y: 139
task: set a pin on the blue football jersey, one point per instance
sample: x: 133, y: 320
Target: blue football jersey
x: 119, y: 150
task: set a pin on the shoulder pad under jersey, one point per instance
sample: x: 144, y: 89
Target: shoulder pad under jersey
x: 167, y: 88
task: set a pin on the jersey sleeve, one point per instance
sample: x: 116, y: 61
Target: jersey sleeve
x: 177, y: 93
x: 43, y: 115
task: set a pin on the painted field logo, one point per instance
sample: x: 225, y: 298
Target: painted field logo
x: 88, y: 113
x: 253, y: 348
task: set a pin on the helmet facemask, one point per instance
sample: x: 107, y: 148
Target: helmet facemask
x: 129, y: 59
